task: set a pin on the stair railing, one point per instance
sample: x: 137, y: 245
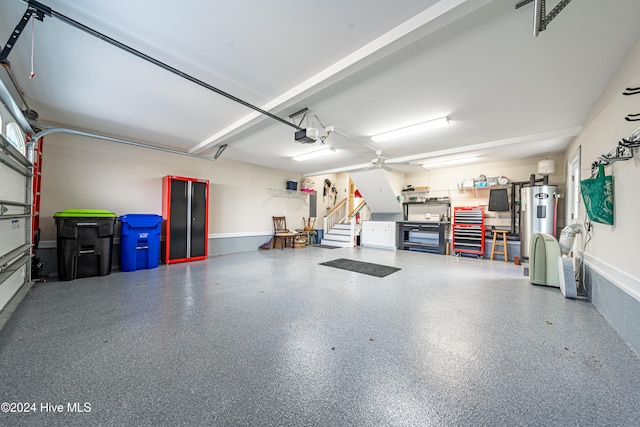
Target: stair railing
x: 356, y: 216
x: 362, y: 209
x: 336, y: 215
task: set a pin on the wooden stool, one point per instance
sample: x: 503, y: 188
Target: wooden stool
x: 503, y: 243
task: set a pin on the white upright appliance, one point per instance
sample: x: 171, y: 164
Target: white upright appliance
x: 537, y: 214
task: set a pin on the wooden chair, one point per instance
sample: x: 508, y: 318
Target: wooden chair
x: 309, y: 223
x: 281, y: 232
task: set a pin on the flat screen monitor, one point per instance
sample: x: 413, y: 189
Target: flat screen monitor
x: 498, y: 200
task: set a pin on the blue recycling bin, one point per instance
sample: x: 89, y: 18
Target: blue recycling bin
x: 139, y: 241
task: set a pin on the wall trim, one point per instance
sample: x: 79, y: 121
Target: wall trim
x: 52, y: 244
x: 240, y: 234
x: 629, y: 284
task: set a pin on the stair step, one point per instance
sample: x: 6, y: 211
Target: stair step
x: 341, y: 231
x: 338, y: 237
x: 342, y: 226
x: 336, y: 243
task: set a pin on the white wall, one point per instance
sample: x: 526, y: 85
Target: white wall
x: 615, y: 246
x: 88, y: 173
x: 326, y: 203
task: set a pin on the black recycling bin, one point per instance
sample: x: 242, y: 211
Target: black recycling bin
x: 84, y: 242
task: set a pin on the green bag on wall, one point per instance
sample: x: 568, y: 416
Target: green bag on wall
x: 597, y: 194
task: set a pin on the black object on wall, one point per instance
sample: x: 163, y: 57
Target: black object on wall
x: 498, y: 200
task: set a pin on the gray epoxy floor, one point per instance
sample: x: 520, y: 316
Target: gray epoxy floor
x: 272, y: 338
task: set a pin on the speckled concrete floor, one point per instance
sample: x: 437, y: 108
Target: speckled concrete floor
x: 272, y: 338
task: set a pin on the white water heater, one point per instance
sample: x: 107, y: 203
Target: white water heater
x: 537, y: 214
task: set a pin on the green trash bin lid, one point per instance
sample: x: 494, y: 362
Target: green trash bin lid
x: 84, y: 213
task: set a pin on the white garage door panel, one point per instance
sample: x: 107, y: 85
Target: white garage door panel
x: 12, y: 185
x: 12, y: 234
x: 14, y: 231
x: 10, y: 286
x: 15, y: 205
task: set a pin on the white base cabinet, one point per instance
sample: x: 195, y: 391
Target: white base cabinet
x: 378, y: 234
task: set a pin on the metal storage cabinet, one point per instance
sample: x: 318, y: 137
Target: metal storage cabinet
x: 185, y: 209
x: 422, y: 236
x: 468, y: 230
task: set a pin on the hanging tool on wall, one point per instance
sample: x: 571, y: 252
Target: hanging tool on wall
x: 633, y: 141
x: 325, y: 190
x: 632, y: 91
x: 623, y: 151
x: 615, y: 155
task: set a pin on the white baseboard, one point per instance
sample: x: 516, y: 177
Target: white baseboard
x: 629, y: 284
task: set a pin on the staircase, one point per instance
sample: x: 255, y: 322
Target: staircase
x: 377, y: 186
x: 342, y: 227
x: 340, y: 236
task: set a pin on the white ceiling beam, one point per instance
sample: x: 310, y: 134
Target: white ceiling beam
x: 535, y: 137
x: 425, y: 17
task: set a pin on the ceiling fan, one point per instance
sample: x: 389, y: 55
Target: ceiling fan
x: 382, y: 162
x: 379, y: 162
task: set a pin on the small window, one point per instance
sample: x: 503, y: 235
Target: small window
x: 16, y: 137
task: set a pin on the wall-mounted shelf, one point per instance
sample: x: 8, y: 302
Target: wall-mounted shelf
x: 482, y: 191
x: 288, y: 194
x: 415, y: 193
x: 441, y: 205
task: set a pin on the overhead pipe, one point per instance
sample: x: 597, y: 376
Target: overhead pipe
x: 122, y: 141
x: 50, y: 12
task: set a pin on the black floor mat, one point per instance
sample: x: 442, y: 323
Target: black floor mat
x: 325, y: 246
x: 371, y: 269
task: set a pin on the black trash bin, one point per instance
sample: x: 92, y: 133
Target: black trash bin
x: 84, y: 242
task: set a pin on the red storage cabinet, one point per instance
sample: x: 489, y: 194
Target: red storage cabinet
x: 468, y: 230
x: 185, y: 209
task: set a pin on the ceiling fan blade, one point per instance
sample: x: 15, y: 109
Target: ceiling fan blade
x: 357, y: 168
x: 397, y: 163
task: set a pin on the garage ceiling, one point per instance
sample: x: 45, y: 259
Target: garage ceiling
x: 362, y: 66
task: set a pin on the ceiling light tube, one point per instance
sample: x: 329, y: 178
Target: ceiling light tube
x: 410, y: 130
x: 447, y: 162
x: 314, y: 154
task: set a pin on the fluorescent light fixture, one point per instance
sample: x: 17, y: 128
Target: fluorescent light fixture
x: 314, y: 154
x: 410, y: 130
x: 447, y: 162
